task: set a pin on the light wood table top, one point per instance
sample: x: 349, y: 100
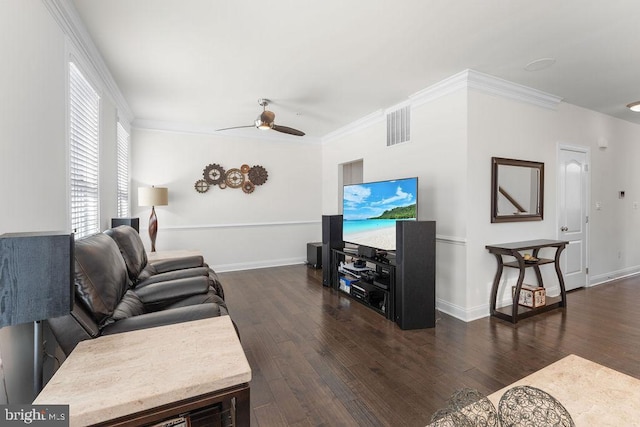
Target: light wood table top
x: 117, y: 375
x: 594, y: 395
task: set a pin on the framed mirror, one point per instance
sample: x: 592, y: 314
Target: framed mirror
x: 517, y: 190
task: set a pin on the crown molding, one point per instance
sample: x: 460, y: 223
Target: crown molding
x: 248, y: 133
x: 471, y: 79
x: 72, y: 26
x: 496, y: 86
x: 442, y: 88
x: 464, y: 80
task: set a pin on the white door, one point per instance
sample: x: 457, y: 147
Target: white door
x: 572, y: 214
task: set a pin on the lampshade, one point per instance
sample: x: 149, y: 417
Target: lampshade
x: 36, y: 276
x: 153, y: 196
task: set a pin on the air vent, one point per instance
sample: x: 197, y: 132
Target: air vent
x: 399, y: 126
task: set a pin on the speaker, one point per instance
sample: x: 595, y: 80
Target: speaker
x: 331, y: 239
x: 132, y: 222
x: 314, y: 255
x: 415, y: 290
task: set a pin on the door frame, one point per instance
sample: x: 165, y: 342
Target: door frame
x: 587, y: 231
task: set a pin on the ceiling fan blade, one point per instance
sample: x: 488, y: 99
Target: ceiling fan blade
x: 235, y: 127
x: 290, y: 131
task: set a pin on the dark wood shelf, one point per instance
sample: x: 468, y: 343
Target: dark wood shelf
x: 541, y: 261
x: 389, y: 301
x: 372, y: 307
x: 504, y: 313
x: 514, y: 250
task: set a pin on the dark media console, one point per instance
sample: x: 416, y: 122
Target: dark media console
x: 400, y: 285
x: 370, y: 284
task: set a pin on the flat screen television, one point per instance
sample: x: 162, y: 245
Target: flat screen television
x: 370, y: 211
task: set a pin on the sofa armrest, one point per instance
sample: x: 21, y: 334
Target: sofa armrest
x: 171, y: 264
x: 173, y: 289
x: 173, y: 275
x: 164, y: 317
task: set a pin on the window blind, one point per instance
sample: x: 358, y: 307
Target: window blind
x: 84, y: 106
x: 123, y: 171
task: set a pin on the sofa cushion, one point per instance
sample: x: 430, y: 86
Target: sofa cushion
x: 131, y: 247
x: 100, y: 275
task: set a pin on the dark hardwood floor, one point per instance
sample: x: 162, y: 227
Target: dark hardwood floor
x: 319, y: 358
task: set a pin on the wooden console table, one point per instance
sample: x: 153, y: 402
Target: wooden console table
x: 515, y: 312
x: 150, y: 375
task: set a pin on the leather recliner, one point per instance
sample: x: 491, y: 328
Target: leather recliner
x: 106, y: 301
x: 142, y: 272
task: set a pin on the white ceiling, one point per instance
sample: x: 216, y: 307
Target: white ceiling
x: 324, y: 64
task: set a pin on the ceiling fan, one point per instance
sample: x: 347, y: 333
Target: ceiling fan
x: 266, y: 121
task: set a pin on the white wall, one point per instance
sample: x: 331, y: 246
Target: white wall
x: 453, y: 139
x: 34, y: 155
x: 502, y: 127
x: 507, y: 128
x: 234, y: 230
x: 437, y: 156
x: 33, y: 158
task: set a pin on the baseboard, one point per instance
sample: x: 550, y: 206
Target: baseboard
x: 466, y: 315
x: 223, y: 268
x: 613, y: 275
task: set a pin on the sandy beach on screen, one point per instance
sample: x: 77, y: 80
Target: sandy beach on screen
x: 384, y: 238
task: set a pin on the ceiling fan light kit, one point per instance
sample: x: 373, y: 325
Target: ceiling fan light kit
x: 634, y: 106
x: 266, y: 121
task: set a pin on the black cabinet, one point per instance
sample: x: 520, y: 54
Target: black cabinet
x: 401, y: 287
x: 372, y: 284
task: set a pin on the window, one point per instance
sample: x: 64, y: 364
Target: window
x: 84, y: 109
x: 123, y: 171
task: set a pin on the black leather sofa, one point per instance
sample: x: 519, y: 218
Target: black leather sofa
x: 143, y: 273
x: 118, y: 290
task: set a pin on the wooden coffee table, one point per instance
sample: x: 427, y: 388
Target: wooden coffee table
x: 147, y: 376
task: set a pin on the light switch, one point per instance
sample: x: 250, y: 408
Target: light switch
x: 598, y: 206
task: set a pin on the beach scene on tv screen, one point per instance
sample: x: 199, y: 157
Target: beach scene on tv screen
x: 370, y: 211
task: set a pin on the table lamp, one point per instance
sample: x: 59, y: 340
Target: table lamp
x: 153, y: 196
x: 36, y: 283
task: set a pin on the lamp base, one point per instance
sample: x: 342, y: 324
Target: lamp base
x: 153, y: 228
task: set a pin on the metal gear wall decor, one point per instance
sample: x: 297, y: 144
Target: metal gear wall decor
x: 234, y: 178
x: 258, y: 175
x: 245, y: 177
x: 213, y: 173
x: 202, y: 186
x: 248, y: 187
